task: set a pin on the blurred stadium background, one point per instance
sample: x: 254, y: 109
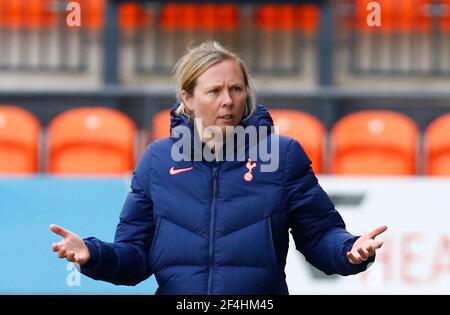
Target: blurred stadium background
x: 371, y: 106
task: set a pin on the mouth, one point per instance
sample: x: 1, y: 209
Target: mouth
x: 226, y: 117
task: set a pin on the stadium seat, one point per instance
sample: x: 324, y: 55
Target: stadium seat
x: 95, y: 17
x: 309, y: 16
x: 132, y: 16
x: 445, y: 21
x: 287, y: 17
x: 39, y: 14
x: 437, y: 147
x: 374, y: 142
x: 32, y: 14
x: 205, y: 17
x: 92, y: 16
x: 12, y: 13
x: 306, y: 129
x: 91, y: 140
x: 19, y: 140
x: 3, y: 15
x: 398, y: 16
x: 177, y: 16
x: 161, y: 125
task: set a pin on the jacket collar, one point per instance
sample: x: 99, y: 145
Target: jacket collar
x: 259, y: 118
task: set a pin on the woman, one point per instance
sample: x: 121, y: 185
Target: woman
x: 219, y: 226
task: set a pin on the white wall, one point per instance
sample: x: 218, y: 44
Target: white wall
x: 415, y: 258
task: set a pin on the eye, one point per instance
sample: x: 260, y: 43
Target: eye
x: 236, y: 89
x: 213, y: 91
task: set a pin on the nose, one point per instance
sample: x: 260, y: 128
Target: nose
x: 226, y: 98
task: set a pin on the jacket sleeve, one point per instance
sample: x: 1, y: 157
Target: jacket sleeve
x: 317, y: 228
x: 126, y: 261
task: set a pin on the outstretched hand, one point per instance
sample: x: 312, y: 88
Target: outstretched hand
x: 365, y: 246
x: 71, y: 247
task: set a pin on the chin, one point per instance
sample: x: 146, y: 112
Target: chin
x: 229, y: 127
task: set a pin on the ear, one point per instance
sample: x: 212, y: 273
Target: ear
x: 187, y: 100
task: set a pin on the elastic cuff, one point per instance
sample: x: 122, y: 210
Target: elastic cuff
x: 94, y: 255
x: 352, y: 268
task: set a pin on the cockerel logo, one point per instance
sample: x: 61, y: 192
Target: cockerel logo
x: 250, y: 166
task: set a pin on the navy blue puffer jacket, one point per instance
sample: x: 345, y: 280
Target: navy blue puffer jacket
x: 207, y: 230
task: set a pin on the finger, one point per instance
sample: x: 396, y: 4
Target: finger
x: 62, y: 252
x: 371, y: 250
x: 363, y: 253
x: 352, y: 258
x: 70, y: 256
x: 377, y: 231
x: 56, y: 247
x: 59, y: 230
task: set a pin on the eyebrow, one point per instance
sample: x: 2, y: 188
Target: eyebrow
x: 212, y: 87
x: 215, y: 86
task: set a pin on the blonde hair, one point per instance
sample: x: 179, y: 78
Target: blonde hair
x: 199, y: 59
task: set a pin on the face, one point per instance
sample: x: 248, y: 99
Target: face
x: 219, y: 96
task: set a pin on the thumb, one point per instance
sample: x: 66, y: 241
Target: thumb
x: 59, y: 230
x: 377, y: 244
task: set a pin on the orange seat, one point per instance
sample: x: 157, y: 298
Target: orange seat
x: 27, y: 13
x: 92, y: 14
x: 396, y: 16
x: 206, y: 17
x: 445, y: 20
x: 374, y: 142
x: 133, y: 15
x: 437, y: 146
x: 287, y: 17
x: 91, y: 140
x: 228, y: 17
x: 3, y: 15
x: 309, y: 16
x: 19, y: 140
x: 271, y: 17
x: 12, y: 13
x: 306, y: 129
x: 161, y: 125
x: 39, y: 14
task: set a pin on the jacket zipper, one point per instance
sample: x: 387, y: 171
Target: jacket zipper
x: 212, y: 228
